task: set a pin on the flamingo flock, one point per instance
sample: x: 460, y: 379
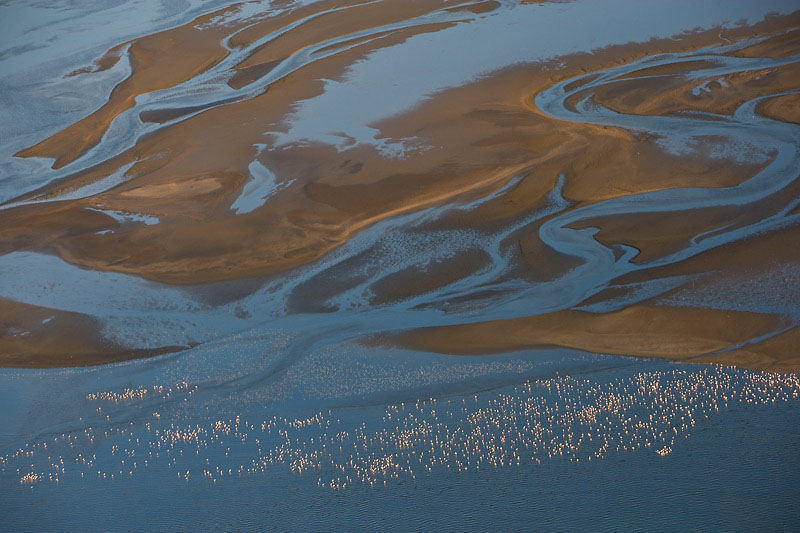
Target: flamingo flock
x: 563, y: 418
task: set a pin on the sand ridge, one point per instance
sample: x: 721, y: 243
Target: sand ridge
x: 485, y: 143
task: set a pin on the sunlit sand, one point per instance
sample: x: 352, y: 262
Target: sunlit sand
x: 482, y: 265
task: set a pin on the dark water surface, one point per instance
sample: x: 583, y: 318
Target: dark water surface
x: 732, y: 437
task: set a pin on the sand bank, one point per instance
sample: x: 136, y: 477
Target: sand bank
x: 543, y: 211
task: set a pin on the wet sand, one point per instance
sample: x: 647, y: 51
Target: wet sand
x: 691, y: 335
x: 156, y: 200
x: 332, y: 255
x: 37, y: 337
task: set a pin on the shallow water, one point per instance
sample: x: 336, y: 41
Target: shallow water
x: 505, y: 441
x: 286, y: 421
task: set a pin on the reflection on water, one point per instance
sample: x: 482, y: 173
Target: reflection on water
x: 538, y: 428
x: 559, y: 417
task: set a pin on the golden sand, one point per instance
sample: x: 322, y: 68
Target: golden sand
x: 37, y: 337
x: 482, y: 135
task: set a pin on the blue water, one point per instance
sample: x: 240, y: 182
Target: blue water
x: 290, y: 422
x: 734, y: 470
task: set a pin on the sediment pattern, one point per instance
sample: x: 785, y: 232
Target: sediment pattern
x: 260, y: 239
x: 534, y: 191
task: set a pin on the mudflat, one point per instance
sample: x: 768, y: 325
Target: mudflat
x: 562, y: 182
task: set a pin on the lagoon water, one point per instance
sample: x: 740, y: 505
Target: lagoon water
x: 621, y: 443
x: 277, y: 419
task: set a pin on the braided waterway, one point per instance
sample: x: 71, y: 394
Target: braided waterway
x: 284, y: 405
